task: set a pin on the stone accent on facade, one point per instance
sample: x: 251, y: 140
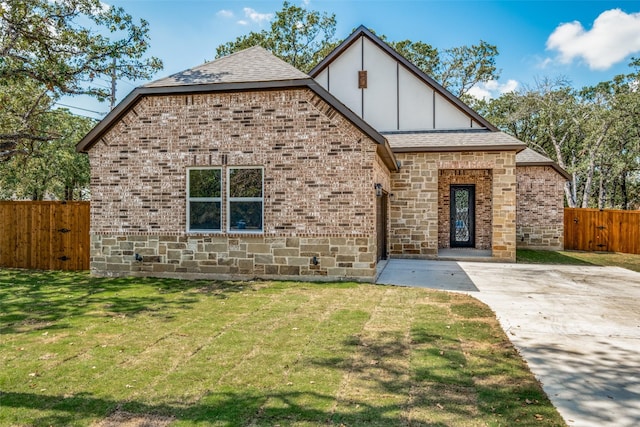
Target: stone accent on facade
x: 235, y: 257
x: 481, y: 179
x: 414, y: 205
x: 540, y: 208
x: 319, y: 176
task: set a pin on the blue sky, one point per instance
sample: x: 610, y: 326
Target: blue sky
x: 584, y: 41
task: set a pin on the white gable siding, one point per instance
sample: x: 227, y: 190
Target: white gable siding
x: 416, y: 102
x: 448, y: 116
x: 323, y: 78
x: 343, y: 77
x: 381, y: 95
x: 395, y: 98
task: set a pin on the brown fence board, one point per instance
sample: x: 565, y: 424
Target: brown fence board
x: 602, y: 230
x: 34, y: 235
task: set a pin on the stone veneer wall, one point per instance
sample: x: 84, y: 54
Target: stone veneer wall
x: 540, y: 209
x: 229, y: 257
x: 319, y: 198
x: 414, y: 205
x: 481, y: 179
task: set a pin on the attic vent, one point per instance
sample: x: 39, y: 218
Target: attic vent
x: 362, y: 79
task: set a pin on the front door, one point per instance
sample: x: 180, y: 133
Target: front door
x: 381, y: 225
x: 462, y: 216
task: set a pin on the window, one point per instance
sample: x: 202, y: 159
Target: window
x: 245, y: 198
x: 204, y: 200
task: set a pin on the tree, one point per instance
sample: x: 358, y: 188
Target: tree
x: 457, y: 69
x: 57, y: 48
x: 303, y: 38
x: 593, y: 133
x: 50, y: 168
x: 298, y: 36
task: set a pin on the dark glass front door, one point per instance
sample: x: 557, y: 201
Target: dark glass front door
x: 463, y: 227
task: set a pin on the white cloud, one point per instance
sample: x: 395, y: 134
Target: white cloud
x: 243, y: 22
x: 224, y: 13
x: 492, y: 89
x: 614, y: 35
x: 255, y: 16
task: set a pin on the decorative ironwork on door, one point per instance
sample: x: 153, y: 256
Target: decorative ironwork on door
x: 462, y: 216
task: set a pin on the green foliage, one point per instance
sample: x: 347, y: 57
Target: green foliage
x: 49, y: 168
x: 457, y: 69
x: 53, y: 48
x: 298, y: 36
x: 44, y: 41
x: 304, y: 37
x: 592, y: 133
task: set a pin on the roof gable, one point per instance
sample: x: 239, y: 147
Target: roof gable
x: 529, y: 157
x: 251, y: 69
x: 443, y: 100
x: 250, y: 65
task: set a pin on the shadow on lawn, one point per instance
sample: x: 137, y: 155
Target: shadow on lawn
x: 223, y: 408
x: 31, y: 300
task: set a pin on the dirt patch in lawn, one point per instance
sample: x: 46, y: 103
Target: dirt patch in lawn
x: 126, y: 419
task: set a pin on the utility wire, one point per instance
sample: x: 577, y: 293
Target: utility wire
x: 102, y: 113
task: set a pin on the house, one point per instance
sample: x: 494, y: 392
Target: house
x: 246, y: 167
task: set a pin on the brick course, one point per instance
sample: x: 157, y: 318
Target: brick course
x: 319, y: 171
x: 540, y: 208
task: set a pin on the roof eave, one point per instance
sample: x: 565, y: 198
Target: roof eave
x: 458, y: 148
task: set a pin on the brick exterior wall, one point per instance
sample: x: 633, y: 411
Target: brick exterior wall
x: 414, y: 205
x: 540, y: 209
x: 319, y: 198
x: 481, y: 179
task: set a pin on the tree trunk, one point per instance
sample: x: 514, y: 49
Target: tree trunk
x: 601, y: 193
x: 625, y: 195
x: 588, y: 182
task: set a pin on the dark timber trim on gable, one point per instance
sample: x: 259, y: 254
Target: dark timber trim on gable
x: 111, y: 119
x: 362, y: 31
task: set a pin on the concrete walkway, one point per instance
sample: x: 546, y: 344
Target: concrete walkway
x: 577, y: 327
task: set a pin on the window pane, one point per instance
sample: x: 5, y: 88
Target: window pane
x: 204, y: 182
x: 204, y: 215
x: 245, y: 215
x: 245, y: 183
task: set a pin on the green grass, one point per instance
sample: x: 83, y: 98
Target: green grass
x: 83, y: 351
x: 628, y: 261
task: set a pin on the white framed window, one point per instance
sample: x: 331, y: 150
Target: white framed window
x: 204, y: 199
x: 245, y: 199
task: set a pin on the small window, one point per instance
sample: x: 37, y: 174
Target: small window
x: 204, y: 201
x: 245, y: 199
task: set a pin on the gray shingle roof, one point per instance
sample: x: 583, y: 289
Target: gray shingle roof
x: 466, y: 140
x: 529, y: 157
x: 250, y: 65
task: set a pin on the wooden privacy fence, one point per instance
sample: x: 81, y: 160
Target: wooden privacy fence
x: 44, y: 235
x: 602, y: 230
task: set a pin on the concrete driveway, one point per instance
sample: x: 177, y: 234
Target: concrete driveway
x: 577, y: 327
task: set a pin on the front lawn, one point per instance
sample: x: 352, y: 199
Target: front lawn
x: 83, y: 351
x: 614, y: 259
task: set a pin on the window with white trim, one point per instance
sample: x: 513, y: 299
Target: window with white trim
x: 245, y: 199
x: 204, y: 199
